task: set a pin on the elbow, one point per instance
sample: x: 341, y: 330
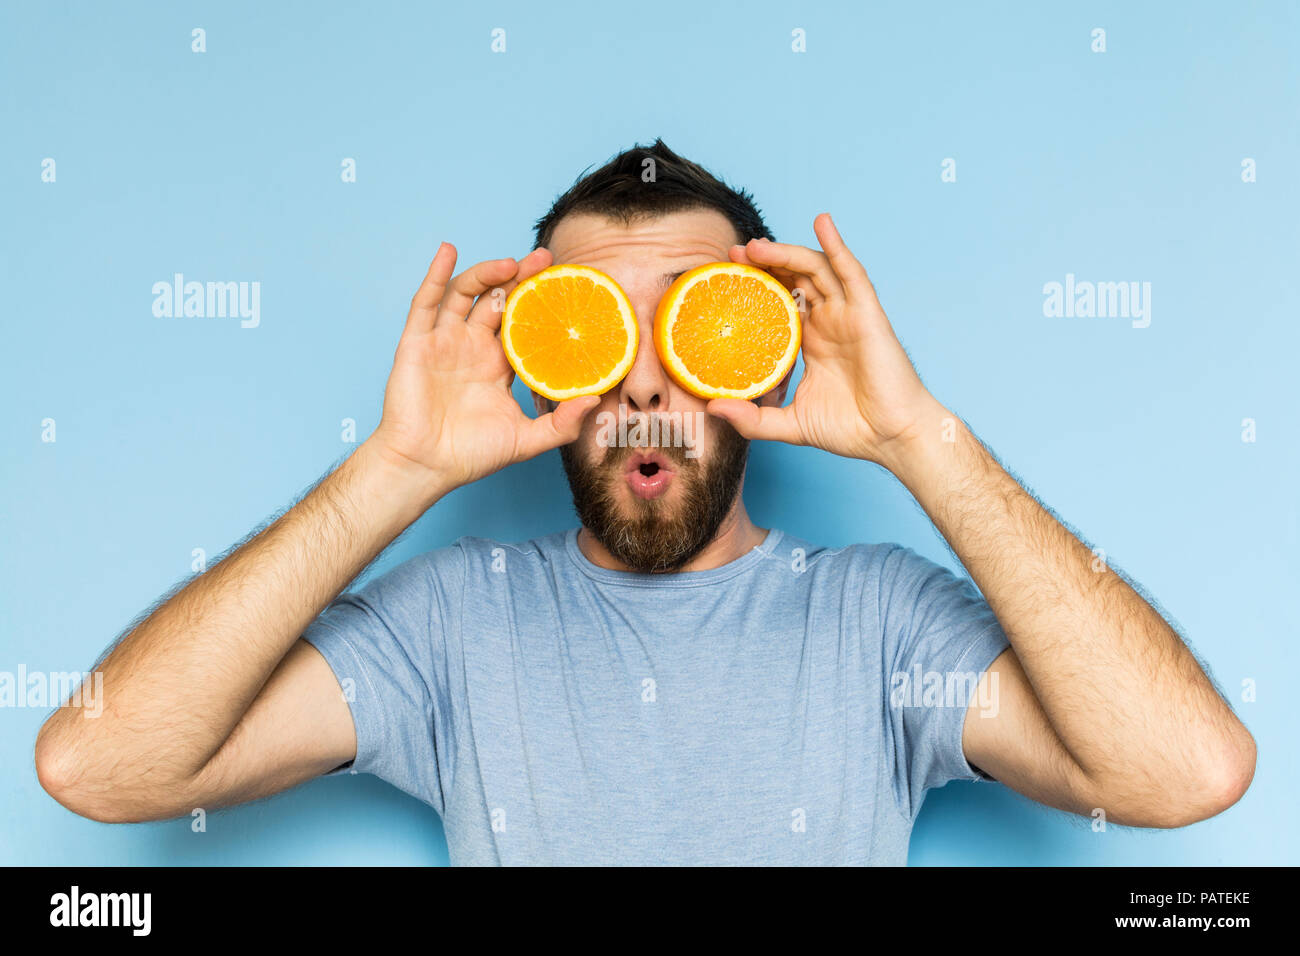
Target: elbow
x: 61, y: 774
x: 55, y: 770
x: 1233, y: 772
x: 1222, y: 780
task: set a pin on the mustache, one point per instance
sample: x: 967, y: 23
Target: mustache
x: 655, y: 424
x: 617, y: 455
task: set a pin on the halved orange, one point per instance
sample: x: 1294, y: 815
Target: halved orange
x: 726, y: 330
x: 569, y: 331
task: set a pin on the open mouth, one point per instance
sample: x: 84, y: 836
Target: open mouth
x: 648, y: 474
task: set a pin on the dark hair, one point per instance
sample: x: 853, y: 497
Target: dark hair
x: 623, y: 189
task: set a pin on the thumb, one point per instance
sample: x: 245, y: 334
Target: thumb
x: 555, y: 428
x: 762, y: 422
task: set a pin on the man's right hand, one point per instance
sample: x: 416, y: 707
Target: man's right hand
x: 215, y: 698
x: 448, y: 412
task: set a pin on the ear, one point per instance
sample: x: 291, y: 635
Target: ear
x: 542, y: 404
x: 776, y: 397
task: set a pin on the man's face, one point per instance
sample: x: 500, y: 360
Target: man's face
x: 653, y: 500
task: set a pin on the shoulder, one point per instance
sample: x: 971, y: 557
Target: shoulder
x: 442, y: 575
x: 882, y: 573
x: 474, y: 550
x: 855, y: 560
x: 470, y: 557
x: 876, y: 573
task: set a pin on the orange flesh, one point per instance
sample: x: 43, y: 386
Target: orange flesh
x: 568, y: 332
x: 731, y: 331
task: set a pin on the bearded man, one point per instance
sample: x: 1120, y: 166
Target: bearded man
x: 668, y: 682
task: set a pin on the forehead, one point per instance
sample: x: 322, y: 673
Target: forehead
x: 642, y: 255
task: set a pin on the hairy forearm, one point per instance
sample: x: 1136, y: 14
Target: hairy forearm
x: 1126, y: 698
x: 178, y: 684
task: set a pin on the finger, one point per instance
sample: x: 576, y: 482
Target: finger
x: 555, y: 428
x: 738, y: 254
x: 489, y: 308
x: 797, y: 259
x: 424, y: 306
x: 763, y: 422
x: 803, y: 285
x: 469, y: 285
x: 845, y: 265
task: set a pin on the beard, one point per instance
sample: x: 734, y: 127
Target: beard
x: 658, y: 537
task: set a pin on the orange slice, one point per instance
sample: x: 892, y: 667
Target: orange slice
x: 569, y: 331
x: 725, y: 330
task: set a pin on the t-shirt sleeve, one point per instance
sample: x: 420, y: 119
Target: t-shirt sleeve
x: 940, y: 636
x: 385, y: 644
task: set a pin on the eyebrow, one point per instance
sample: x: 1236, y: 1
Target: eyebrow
x: 668, y: 278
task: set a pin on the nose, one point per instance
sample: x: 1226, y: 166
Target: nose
x: 645, y: 387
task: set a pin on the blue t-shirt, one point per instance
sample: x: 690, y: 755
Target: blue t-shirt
x: 790, y: 707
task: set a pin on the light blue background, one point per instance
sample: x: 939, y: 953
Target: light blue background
x: 175, y: 434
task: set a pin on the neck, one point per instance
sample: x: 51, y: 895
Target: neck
x: 736, y: 537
